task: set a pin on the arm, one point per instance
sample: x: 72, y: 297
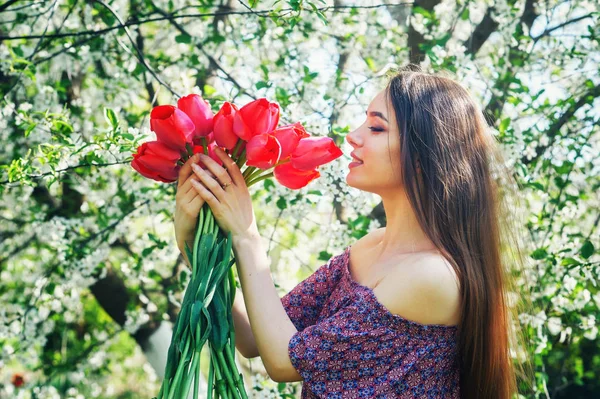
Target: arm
x: 271, y: 327
x: 244, y: 338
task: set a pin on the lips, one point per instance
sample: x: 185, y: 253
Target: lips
x: 357, y: 159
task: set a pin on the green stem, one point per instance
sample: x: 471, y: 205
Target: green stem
x: 197, y: 380
x: 239, y: 378
x: 196, y: 240
x: 221, y: 392
x: 248, y: 171
x: 225, y: 367
x: 180, y: 369
x: 263, y: 177
x: 254, y: 173
x: 242, y: 159
x: 236, y: 149
x: 211, y: 377
x: 188, y: 381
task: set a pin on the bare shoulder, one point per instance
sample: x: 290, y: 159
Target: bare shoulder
x: 425, y: 290
x: 369, y: 239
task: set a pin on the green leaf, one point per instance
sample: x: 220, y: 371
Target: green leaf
x: 422, y: 11
x: 183, y: 38
x: 539, y: 253
x: 587, y: 249
x: 569, y: 262
x: 261, y: 84
x: 209, y: 90
x: 30, y: 129
x: 465, y: 14
x: 111, y: 117
x: 281, y: 203
x: 371, y: 64
x: 504, y: 125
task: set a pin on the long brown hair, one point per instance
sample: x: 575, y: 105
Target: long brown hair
x: 462, y: 199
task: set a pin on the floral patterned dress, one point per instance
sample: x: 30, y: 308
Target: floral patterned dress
x: 349, y: 345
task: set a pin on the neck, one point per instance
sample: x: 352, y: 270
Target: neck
x: 403, y: 234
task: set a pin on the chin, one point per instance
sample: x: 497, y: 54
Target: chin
x: 356, y: 184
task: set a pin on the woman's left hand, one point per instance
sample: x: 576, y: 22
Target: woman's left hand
x: 232, y: 205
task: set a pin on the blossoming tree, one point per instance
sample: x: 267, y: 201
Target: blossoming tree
x: 90, y: 278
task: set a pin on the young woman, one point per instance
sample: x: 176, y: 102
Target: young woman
x: 415, y: 309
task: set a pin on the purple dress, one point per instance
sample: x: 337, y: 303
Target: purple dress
x: 349, y: 345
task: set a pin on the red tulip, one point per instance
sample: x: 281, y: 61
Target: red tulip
x: 223, y: 126
x: 289, y: 136
x: 263, y: 151
x: 156, y: 161
x: 199, y: 112
x: 293, y: 178
x: 312, y: 152
x: 211, y: 153
x: 257, y: 117
x: 172, y: 126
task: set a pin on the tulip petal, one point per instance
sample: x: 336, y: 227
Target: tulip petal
x: 150, y: 163
x: 313, y: 152
x: 172, y: 126
x: 289, y: 136
x: 160, y: 149
x: 293, y: 178
x: 257, y: 117
x: 199, y: 111
x: 263, y: 151
x: 223, y: 131
x: 241, y: 129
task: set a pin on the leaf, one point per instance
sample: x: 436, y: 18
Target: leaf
x: 281, y: 203
x: 422, y: 11
x: 539, y: 253
x: 183, y: 38
x: 371, y: 64
x: 504, y: 125
x: 111, y: 117
x: 465, y: 14
x: 569, y: 262
x: 261, y: 84
x: 587, y: 249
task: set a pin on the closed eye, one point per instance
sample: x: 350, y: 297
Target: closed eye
x: 376, y: 129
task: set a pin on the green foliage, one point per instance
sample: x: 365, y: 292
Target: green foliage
x: 75, y: 106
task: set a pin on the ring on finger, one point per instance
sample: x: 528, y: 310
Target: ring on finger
x: 199, y: 170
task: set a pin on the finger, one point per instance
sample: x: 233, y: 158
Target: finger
x: 196, y: 202
x: 234, y: 171
x: 187, y: 186
x: 216, y: 169
x: 190, y: 194
x: 209, y: 183
x: 186, y: 170
x: 206, y: 194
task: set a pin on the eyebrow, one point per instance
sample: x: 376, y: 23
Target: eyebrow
x: 376, y: 113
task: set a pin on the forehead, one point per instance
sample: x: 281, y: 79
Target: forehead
x: 379, y: 103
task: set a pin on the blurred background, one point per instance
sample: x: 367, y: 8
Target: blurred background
x: 90, y: 274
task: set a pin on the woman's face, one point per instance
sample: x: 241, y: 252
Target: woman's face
x: 377, y: 143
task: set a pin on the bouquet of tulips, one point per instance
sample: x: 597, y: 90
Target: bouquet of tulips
x: 252, y: 137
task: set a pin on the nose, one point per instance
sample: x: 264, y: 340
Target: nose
x: 353, y: 138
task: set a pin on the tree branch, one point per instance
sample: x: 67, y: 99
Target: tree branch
x: 482, y: 32
x: 554, y: 129
x: 415, y: 38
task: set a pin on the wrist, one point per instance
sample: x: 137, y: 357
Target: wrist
x: 249, y: 235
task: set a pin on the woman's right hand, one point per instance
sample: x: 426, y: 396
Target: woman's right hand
x: 187, y: 206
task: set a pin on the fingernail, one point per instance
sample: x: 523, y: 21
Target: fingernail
x: 195, y: 167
